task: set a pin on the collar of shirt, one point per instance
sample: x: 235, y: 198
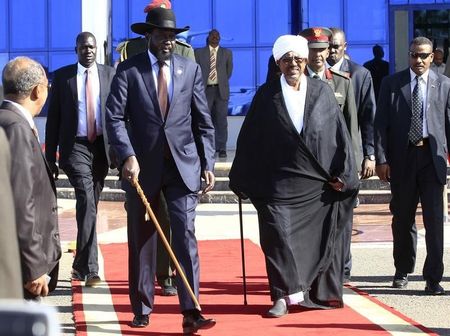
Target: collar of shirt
x: 154, y: 60
x: 337, y: 66
x: 423, y: 77
x: 212, y: 48
x: 81, y: 69
x: 26, y: 114
x: 312, y: 73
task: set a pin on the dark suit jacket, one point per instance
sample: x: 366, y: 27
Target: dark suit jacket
x: 393, y: 121
x: 34, y: 197
x: 10, y: 271
x: 187, y: 130
x: 224, y: 66
x: 365, y: 101
x: 62, y: 119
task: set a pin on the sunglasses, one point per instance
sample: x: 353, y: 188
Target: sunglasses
x: 422, y: 56
x: 296, y: 59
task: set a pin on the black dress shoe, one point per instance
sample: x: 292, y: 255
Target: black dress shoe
x: 222, y: 153
x: 434, y: 288
x: 168, y: 290
x: 400, y: 280
x: 140, y: 321
x: 193, y: 321
x: 77, y: 275
x: 92, y: 279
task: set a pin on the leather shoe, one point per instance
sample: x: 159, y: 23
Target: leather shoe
x: 222, y: 153
x: 77, y: 275
x: 434, y: 288
x: 92, y: 279
x: 168, y: 290
x: 140, y: 321
x: 193, y: 321
x: 400, y: 280
x: 278, y: 309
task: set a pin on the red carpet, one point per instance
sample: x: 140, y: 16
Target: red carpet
x: 221, y: 297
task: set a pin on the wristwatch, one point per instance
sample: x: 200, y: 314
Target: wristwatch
x: 370, y: 157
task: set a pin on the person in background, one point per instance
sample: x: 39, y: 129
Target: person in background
x: 26, y: 89
x: 10, y: 271
x: 216, y: 63
x: 294, y: 170
x: 168, y: 146
x: 365, y: 105
x: 412, y: 141
x: 378, y: 67
x: 75, y: 124
x: 438, y: 64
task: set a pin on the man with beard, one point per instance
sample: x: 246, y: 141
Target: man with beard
x: 75, y: 123
x: 294, y: 160
x: 412, y: 141
x: 168, y: 147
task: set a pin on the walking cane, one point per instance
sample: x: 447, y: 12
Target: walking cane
x: 166, y: 243
x: 242, y: 250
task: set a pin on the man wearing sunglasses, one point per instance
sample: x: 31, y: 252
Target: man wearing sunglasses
x: 412, y: 133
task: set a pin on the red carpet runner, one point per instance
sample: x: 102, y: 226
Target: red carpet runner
x: 221, y: 297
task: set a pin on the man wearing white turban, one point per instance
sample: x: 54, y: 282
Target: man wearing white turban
x: 294, y: 160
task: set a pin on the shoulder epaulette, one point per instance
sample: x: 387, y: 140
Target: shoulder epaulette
x: 340, y: 73
x: 184, y: 44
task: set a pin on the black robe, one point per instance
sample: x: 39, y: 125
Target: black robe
x: 285, y: 174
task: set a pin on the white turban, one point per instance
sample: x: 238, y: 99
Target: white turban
x: 286, y: 43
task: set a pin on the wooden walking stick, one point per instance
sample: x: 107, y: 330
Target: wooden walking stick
x: 241, y: 225
x: 166, y: 243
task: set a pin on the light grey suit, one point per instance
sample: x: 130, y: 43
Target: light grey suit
x: 217, y: 96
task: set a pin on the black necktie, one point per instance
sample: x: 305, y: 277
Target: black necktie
x: 416, y: 129
x: 316, y: 76
x: 162, y: 90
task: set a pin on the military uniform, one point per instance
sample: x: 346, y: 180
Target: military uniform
x: 139, y: 44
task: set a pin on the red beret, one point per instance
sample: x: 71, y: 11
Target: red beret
x: 157, y: 3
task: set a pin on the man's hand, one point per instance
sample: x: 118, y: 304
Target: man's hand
x: 383, y: 172
x: 39, y: 286
x: 209, y: 180
x: 130, y: 169
x: 336, y: 184
x: 367, y: 168
x: 54, y: 170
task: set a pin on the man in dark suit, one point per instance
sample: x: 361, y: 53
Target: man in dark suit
x: 412, y: 134
x: 378, y: 68
x: 26, y: 88
x: 217, y: 66
x: 365, y: 105
x: 10, y: 272
x: 75, y: 123
x: 169, y: 146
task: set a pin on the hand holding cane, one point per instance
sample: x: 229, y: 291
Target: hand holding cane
x: 149, y: 210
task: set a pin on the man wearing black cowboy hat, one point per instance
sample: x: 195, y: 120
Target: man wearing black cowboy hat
x: 169, y: 147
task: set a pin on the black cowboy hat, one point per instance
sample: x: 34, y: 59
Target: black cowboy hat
x: 159, y: 17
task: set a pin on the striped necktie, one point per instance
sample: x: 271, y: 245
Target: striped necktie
x: 212, y: 65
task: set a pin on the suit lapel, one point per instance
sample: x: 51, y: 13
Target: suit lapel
x: 432, y: 89
x: 177, y: 76
x: 405, y: 88
x: 72, y: 82
x: 145, y: 69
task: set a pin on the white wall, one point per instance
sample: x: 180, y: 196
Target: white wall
x: 95, y: 19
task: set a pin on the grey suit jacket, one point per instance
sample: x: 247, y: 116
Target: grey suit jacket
x: 34, y: 197
x: 10, y: 271
x: 62, y: 118
x: 224, y: 66
x: 393, y: 121
x: 187, y: 131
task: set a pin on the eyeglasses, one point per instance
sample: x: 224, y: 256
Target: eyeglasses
x: 296, y: 59
x: 422, y: 56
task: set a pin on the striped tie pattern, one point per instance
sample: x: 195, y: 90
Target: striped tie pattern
x: 212, y: 66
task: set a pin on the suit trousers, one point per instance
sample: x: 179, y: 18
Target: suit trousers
x: 86, y: 168
x: 219, y: 113
x: 164, y: 265
x: 419, y: 182
x: 142, y: 240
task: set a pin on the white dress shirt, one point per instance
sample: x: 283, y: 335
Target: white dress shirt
x: 81, y: 89
x: 423, y: 81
